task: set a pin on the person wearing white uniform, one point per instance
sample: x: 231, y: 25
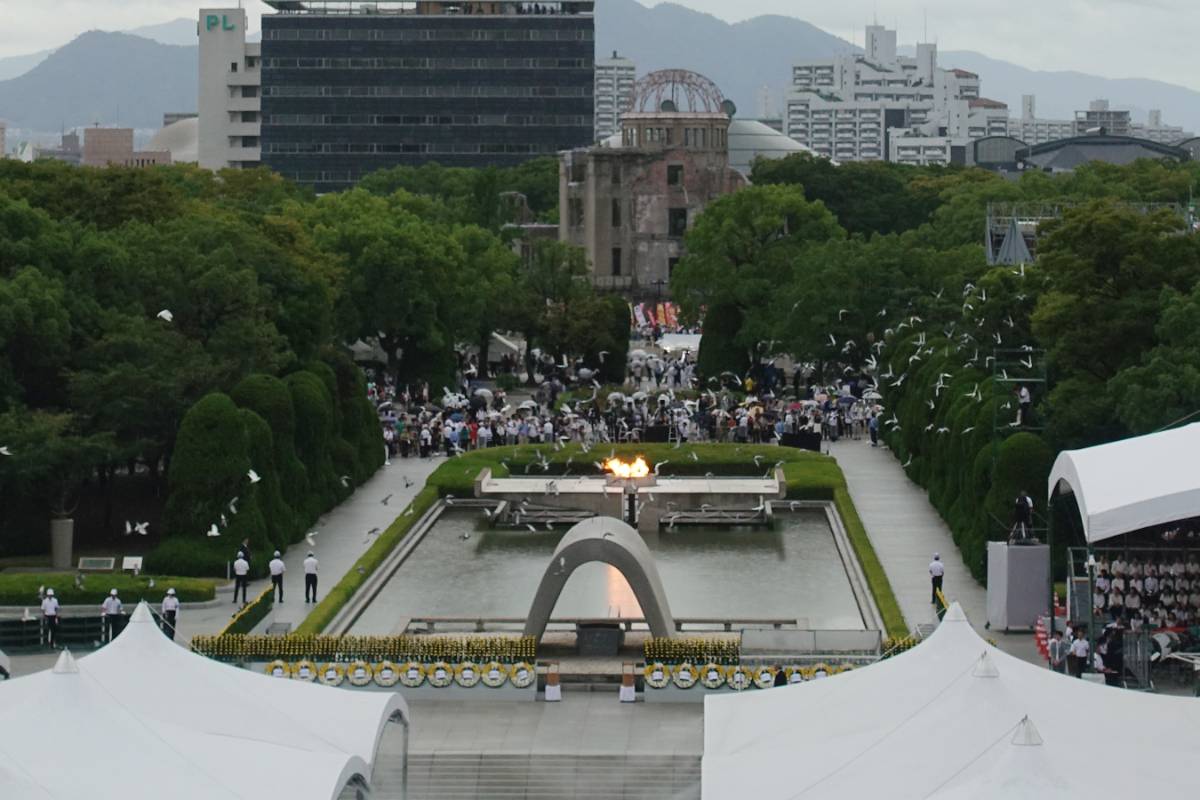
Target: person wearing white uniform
x: 937, y: 570
x: 241, y: 577
x: 111, y: 609
x: 170, y: 613
x: 50, y: 618
x: 310, y: 577
x: 277, y: 569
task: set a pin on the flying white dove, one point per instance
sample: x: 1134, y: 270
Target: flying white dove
x: 143, y: 528
x: 165, y: 315
x: 253, y: 476
x: 4, y: 451
x: 214, y: 530
x: 311, y: 538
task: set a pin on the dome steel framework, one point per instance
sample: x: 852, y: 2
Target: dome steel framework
x: 686, y: 91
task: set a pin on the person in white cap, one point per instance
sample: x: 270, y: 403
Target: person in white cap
x: 111, y: 610
x: 241, y: 577
x: 310, y: 577
x: 50, y: 618
x: 936, y: 570
x: 170, y: 613
x: 277, y: 568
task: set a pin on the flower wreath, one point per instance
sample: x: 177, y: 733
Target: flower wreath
x: 684, y: 675
x: 387, y: 674
x: 712, y: 675
x: 523, y: 674
x: 279, y: 669
x: 358, y: 673
x: 304, y: 670
x: 332, y: 674
x: 740, y: 678
x: 795, y: 674
x: 412, y: 674
x: 764, y: 677
x: 467, y: 674
x: 494, y: 674
x: 440, y: 673
x: 657, y: 675
x: 821, y: 670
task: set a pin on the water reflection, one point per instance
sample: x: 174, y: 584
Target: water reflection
x: 793, y: 571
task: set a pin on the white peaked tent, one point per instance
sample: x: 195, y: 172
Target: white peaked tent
x: 953, y: 717
x: 1132, y: 483
x: 144, y: 718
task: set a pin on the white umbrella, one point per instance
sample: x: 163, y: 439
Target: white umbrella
x: 871, y: 394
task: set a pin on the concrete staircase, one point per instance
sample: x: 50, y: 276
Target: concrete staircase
x: 466, y: 776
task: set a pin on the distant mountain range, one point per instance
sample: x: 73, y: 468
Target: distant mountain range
x: 110, y: 78
x: 133, y: 78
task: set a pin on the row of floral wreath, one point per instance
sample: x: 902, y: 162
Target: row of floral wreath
x: 737, y: 677
x: 409, y: 673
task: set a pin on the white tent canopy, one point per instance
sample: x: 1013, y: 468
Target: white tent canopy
x: 1133, y: 483
x: 144, y: 718
x: 953, y: 717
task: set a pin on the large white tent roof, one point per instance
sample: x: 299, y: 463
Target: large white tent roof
x: 1133, y: 483
x: 953, y: 717
x: 144, y: 718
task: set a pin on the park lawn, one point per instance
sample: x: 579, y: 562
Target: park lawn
x: 21, y: 589
x: 809, y: 476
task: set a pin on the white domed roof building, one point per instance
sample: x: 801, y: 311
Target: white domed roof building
x: 181, y: 139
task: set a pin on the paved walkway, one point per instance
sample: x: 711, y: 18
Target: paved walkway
x: 906, y: 531
x: 341, y: 540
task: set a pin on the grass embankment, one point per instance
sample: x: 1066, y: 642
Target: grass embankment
x: 21, y: 589
x: 809, y: 476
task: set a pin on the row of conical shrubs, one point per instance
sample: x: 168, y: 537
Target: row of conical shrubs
x: 964, y: 450
x: 262, y: 463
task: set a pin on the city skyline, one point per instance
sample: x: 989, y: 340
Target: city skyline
x: 1111, y: 38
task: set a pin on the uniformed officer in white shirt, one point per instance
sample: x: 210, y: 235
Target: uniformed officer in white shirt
x: 936, y: 572
x: 170, y: 613
x: 50, y: 618
x: 310, y: 577
x: 277, y: 568
x: 111, y: 610
x: 241, y: 576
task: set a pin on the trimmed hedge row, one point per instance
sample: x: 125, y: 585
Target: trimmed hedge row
x: 310, y: 438
x: 251, y: 614
x: 22, y: 589
x: 972, y: 474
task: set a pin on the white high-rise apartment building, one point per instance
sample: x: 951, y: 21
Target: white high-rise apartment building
x: 881, y: 106
x: 230, y: 99
x: 615, y: 78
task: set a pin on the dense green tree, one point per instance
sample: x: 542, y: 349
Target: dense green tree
x: 1106, y: 266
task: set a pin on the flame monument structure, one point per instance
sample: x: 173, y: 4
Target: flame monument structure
x: 631, y: 492
x: 612, y: 542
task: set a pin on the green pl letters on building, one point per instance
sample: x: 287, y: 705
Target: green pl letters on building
x: 212, y: 20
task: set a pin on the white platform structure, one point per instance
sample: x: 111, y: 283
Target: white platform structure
x: 954, y: 717
x: 1133, y: 483
x: 144, y: 718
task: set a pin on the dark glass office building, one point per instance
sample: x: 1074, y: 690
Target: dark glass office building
x: 349, y: 88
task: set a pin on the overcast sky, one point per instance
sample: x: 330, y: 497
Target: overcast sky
x: 1114, y: 38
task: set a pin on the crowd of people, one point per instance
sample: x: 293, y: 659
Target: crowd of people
x: 1160, y: 590
x: 661, y: 399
